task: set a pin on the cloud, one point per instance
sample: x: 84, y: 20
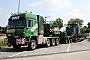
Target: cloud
x: 82, y: 3
x: 54, y: 16
x: 0, y: 8
x: 76, y: 14
x: 36, y: 3
x: 51, y: 4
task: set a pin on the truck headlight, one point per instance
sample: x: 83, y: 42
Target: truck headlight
x: 8, y: 34
x: 41, y: 32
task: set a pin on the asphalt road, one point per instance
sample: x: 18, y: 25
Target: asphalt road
x: 84, y: 55
x: 10, y: 53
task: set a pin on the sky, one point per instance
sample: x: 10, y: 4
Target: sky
x: 64, y: 9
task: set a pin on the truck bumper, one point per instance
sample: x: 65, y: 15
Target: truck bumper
x: 18, y: 41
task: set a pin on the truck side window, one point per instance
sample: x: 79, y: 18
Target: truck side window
x: 30, y: 23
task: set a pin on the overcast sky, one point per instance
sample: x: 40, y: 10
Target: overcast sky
x: 64, y: 9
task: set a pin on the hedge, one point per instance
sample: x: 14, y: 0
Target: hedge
x: 2, y: 43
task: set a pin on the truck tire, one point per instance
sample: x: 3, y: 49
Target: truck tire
x: 67, y: 41
x: 57, y: 42
x: 32, y: 45
x: 53, y: 42
x: 70, y: 40
x: 16, y: 46
x: 77, y: 40
x: 48, y: 43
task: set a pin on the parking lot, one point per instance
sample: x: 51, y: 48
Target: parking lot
x: 9, y: 52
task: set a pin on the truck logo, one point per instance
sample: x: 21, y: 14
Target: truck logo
x: 34, y: 28
x: 15, y: 17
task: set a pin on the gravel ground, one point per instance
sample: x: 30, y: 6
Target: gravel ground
x: 10, y: 52
x: 85, y: 55
x: 60, y: 49
x: 84, y: 45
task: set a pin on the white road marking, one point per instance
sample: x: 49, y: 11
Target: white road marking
x: 68, y: 48
x: 16, y: 54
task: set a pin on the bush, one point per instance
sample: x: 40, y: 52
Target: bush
x: 2, y: 43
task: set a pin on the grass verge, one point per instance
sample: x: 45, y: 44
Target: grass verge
x: 2, y: 43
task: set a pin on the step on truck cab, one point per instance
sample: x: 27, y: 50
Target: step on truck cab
x: 27, y: 29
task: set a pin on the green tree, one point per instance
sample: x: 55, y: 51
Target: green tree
x: 88, y: 29
x: 58, y: 23
x: 83, y: 29
x: 76, y: 21
x: 88, y: 25
x: 44, y: 21
x: 2, y: 29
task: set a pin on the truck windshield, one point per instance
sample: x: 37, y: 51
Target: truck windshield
x: 16, y: 24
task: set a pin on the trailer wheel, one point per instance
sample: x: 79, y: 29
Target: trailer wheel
x: 70, y: 40
x: 32, y: 45
x: 67, y: 41
x: 76, y: 40
x: 53, y: 42
x: 16, y: 46
x: 57, y: 41
x: 48, y: 43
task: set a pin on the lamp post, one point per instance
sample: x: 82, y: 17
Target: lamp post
x: 46, y: 18
x: 18, y: 6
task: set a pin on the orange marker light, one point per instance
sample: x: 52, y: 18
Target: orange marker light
x: 30, y: 12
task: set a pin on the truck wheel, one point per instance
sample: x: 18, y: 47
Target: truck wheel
x: 57, y: 41
x: 70, y: 40
x: 32, y: 45
x: 67, y: 41
x: 48, y: 43
x: 53, y: 42
x: 16, y: 46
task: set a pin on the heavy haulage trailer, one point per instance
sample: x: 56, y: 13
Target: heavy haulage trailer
x: 27, y: 29
x: 72, y: 34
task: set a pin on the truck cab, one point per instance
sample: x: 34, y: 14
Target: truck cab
x: 23, y: 27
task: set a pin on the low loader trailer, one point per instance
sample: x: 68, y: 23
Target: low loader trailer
x: 27, y: 29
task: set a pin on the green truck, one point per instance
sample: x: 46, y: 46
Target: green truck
x: 27, y: 29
